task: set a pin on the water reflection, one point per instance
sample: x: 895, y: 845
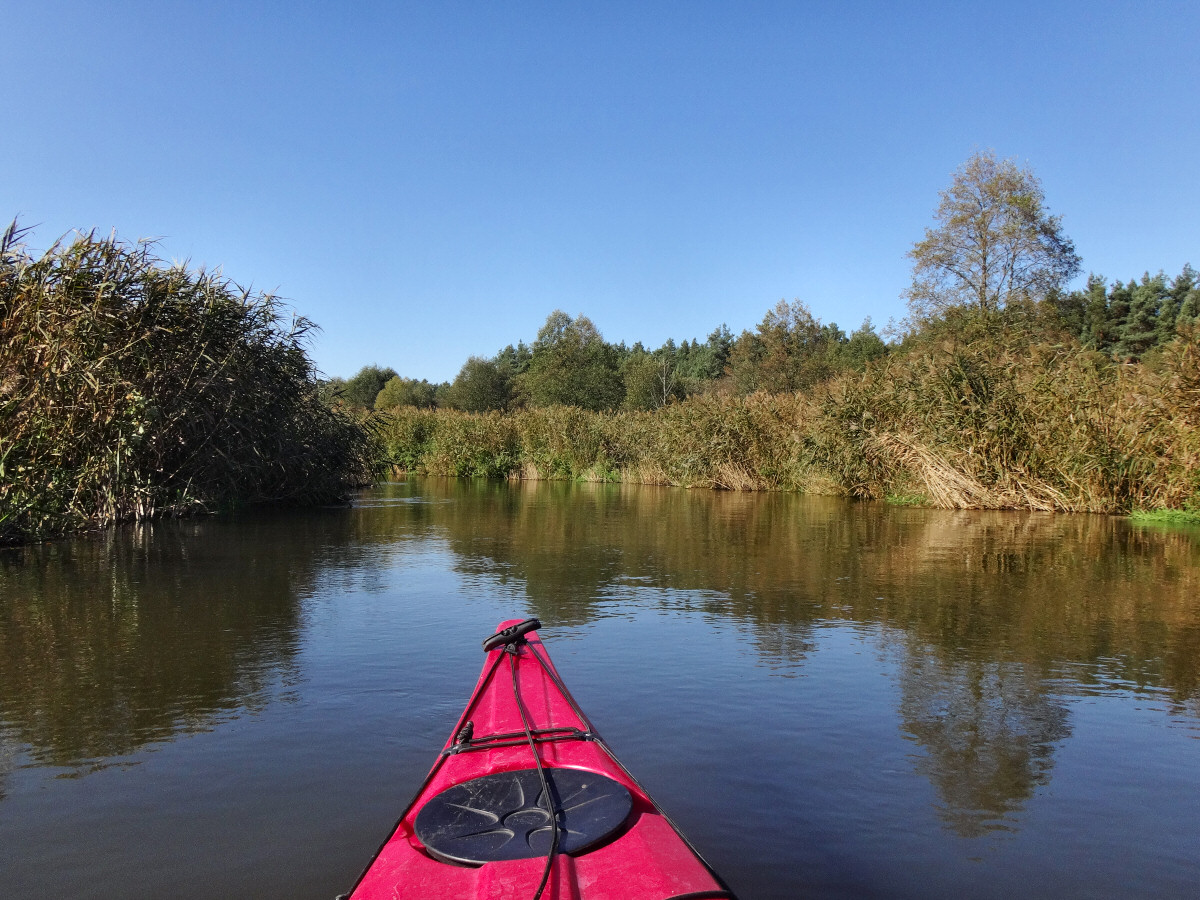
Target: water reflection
x: 988, y: 730
x: 110, y: 644
x: 999, y: 618
x: 1044, y: 590
x: 996, y: 620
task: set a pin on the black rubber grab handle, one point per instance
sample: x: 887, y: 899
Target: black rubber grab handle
x: 510, y: 634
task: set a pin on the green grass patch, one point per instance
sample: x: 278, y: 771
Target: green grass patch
x: 1172, y: 517
x: 905, y: 499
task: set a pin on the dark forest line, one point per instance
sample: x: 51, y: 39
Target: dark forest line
x: 570, y: 364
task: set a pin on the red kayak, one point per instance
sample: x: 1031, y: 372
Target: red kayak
x: 526, y: 801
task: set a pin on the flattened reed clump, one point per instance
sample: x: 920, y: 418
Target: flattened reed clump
x: 131, y: 388
x: 994, y: 422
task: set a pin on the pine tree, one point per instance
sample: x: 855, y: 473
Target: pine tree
x: 1186, y: 291
x: 717, y: 348
x: 1120, y: 298
x: 514, y: 360
x: 1168, y: 312
x: 1139, y: 332
x: 1097, y: 332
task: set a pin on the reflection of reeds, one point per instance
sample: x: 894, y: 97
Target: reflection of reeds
x: 992, y: 423
x: 1036, y: 589
x: 110, y: 644
x: 128, y: 388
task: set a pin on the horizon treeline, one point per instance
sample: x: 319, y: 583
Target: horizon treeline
x: 1002, y: 389
x: 570, y: 364
x: 132, y: 388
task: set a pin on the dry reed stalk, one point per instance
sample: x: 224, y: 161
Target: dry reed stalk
x: 648, y: 472
x: 595, y: 475
x: 950, y: 487
x: 943, y: 483
x: 733, y: 476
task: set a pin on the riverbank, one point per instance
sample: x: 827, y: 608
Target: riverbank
x: 990, y: 423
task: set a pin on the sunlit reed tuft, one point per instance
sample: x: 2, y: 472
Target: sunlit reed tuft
x: 131, y: 388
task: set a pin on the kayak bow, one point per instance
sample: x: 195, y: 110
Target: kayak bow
x: 527, y: 801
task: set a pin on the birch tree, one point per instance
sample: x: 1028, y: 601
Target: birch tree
x: 994, y: 243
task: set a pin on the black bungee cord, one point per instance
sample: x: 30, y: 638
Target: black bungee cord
x: 513, y: 650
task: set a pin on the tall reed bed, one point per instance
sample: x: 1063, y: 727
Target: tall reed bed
x: 988, y: 423
x: 997, y: 424
x: 725, y: 443
x: 130, y: 388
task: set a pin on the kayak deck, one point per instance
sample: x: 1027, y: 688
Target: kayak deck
x: 482, y: 811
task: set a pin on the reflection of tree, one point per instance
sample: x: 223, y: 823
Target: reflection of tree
x: 8, y: 758
x: 989, y: 731
x: 554, y: 540
x: 1180, y: 671
x: 782, y: 645
x: 106, y: 645
x: 574, y: 548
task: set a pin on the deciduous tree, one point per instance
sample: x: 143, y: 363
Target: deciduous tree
x: 652, y: 379
x: 406, y: 392
x: 482, y: 384
x: 994, y: 243
x: 789, y: 351
x: 364, y: 387
x: 572, y: 365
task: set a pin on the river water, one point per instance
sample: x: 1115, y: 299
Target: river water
x: 832, y: 699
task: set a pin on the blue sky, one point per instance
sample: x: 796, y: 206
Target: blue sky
x: 428, y: 181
